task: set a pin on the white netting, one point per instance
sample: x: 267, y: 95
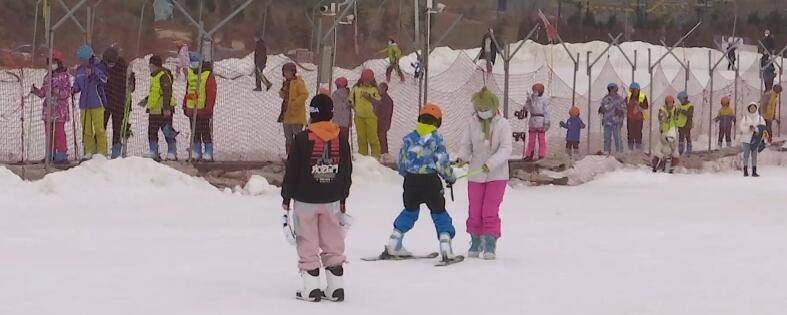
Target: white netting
x: 245, y: 127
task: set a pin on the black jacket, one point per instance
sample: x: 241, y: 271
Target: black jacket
x: 260, y: 54
x: 317, y: 171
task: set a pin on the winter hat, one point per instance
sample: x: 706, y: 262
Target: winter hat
x: 748, y: 108
x: 611, y: 87
x: 195, y: 56
x: 669, y: 100
x: 485, y: 101
x: 777, y: 88
x: 84, y: 52
x: 57, y: 55
x: 725, y: 101
x: 634, y: 86
x: 156, y: 60
x: 341, y: 81
x: 574, y: 111
x: 431, y: 114
x: 321, y: 108
x: 367, y: 75
x: 110, y: 55
x: 538, y: 87
x: 683, y: 96
x: 290, y: 66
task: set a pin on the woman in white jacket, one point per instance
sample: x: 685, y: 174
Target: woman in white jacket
x: 749, y: 130
x: 537, y: 106
x: 486, y: 144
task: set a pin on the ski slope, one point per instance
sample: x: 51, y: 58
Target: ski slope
x: 135, y: 237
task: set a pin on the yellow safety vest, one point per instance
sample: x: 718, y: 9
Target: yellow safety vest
x: 667, y: 118
x: 155, y: 99
x: 682, y: 119
x: 645, y: 114
x: 195, y: 99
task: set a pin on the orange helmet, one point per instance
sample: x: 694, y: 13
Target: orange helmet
x: 432, y: 110
x: 725, y: 100
x: 538, y: 87
x: 669, y: 99
x: 574, y: 111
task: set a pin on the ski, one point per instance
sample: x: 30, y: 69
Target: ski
x: 451, y: 261
x: 385, y: 256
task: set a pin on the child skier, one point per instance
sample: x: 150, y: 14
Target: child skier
x: 160, y: 104
x: 486, y: 144
x: 751, y: 135
x: 393, y: 53
x: 423, y: 160
x: 665, y: 157
x: 318, y: 177
x: 200, y: 97
x: 60, y: 87
x: 537, y: 105
x: 342, y: 110
x: 685, y: 121
x: 362, y: 95
x: 725, y: 118
x: 573, y: 127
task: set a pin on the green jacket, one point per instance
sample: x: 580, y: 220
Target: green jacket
x: 393, y: 52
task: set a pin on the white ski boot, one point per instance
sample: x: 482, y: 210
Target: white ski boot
x: 476, y: 246
x: 446, y: 252
x: 395, y: 247
x: 490, y: 245
x: 172, y: 157
x: 311, y: 286
x: 335, y: 289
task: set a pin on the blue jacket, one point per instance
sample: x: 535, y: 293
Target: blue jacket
x: 91, y: 86
x: 573, y: 126
x: 425, y: 155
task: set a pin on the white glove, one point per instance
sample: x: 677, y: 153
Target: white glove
x: 289, y: 233
x: 345, y: 222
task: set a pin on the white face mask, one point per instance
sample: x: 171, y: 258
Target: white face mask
x: 53, y: 66
x: 195, y: 65
x: 486, y: 114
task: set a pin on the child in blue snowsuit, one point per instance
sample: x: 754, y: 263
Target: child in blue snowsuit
x: 573, y: 126
x: 423, y: 160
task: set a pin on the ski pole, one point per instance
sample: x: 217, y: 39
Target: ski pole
x: 74, y: 127
x: 471, y: 174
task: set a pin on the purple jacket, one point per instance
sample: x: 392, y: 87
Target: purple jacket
x: 60, y: 95
x: 89, y: 82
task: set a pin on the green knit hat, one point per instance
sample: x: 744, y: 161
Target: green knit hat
x: 485, y: 100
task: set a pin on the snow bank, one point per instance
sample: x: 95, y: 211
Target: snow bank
x: 258, y: 185
x: 590, y: 167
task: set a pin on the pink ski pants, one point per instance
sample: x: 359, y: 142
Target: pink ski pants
x: 485, y: 199
x: 318, y: 236
x: 534, y: 134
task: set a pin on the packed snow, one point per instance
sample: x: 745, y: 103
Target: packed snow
x: 135, y: 237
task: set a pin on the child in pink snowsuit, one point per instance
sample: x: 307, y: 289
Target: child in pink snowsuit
x: 61, y: 91
x: 486, y: 144
x: 537, y: 105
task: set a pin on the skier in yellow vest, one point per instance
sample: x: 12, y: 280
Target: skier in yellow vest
x: 160, y: 105
x: 665, y: 157
x: 684, y: 121
x: 636, y: 104
x: 200, y: 98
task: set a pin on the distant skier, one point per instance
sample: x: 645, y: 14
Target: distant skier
x: 318, y: 177
x: 769, y: 105
x: 636, y: 104
x: 89, y: 81
x: 418, y: 67
x: 260, y: 62
x: 488, y: 50
x: 612, y: 111
x: 769, y: 42
x: 767, y: 71
x: 573, y: 126
x: 732, y: 53
x: 752, y: 134
x: 486, y: 144
x: 362, y: 95
x: 200, y: 97
x: 726, y: 119
x: 384, y: 109
x: 666, y: 155
x: 537, y: 106
x: 393, y: 53
x: 293, y: 105
x: 160, y: 107
x: 59, y: 87
x: 120, y: 84
x: 423, y: 160
x: 684, y: 122
x: 342, y: 110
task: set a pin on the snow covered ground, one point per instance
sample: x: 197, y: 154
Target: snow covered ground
x: 135, y: 237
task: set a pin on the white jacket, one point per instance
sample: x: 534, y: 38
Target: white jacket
x: 749, y: 120
x: 538, y: 107
x: 495, y: 153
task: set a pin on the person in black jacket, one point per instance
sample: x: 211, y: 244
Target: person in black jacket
x: 488, y: 50
x: 119, y: 85
x: 260, y: 61
x: 318, y: 178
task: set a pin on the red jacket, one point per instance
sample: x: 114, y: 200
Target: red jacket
x: 210, y: 99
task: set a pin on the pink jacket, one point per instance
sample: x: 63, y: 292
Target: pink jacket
x: 60, y: 94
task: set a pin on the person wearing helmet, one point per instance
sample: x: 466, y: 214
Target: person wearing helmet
x: 684, y: 122
x: 393, y: 53
x: 612, y: 111
x: 120, y: 83
x: 361, y: 96
x: 89, y: 81
x: 666, y: 157
x: 260, y: 62
x: 726, y: 119
x: 56, y: 91
x: 769, y: 103
x: 160, y: 106
x: 293, y: 107
x: 751, y: 128
x: 198, y: 104
x: 636, y: 105
x: 537, y: 106
x: 573, y: 126
x: 423, y: 160
x: 342, y: 110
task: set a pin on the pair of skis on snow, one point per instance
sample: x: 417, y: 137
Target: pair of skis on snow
x: 445, y: 261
